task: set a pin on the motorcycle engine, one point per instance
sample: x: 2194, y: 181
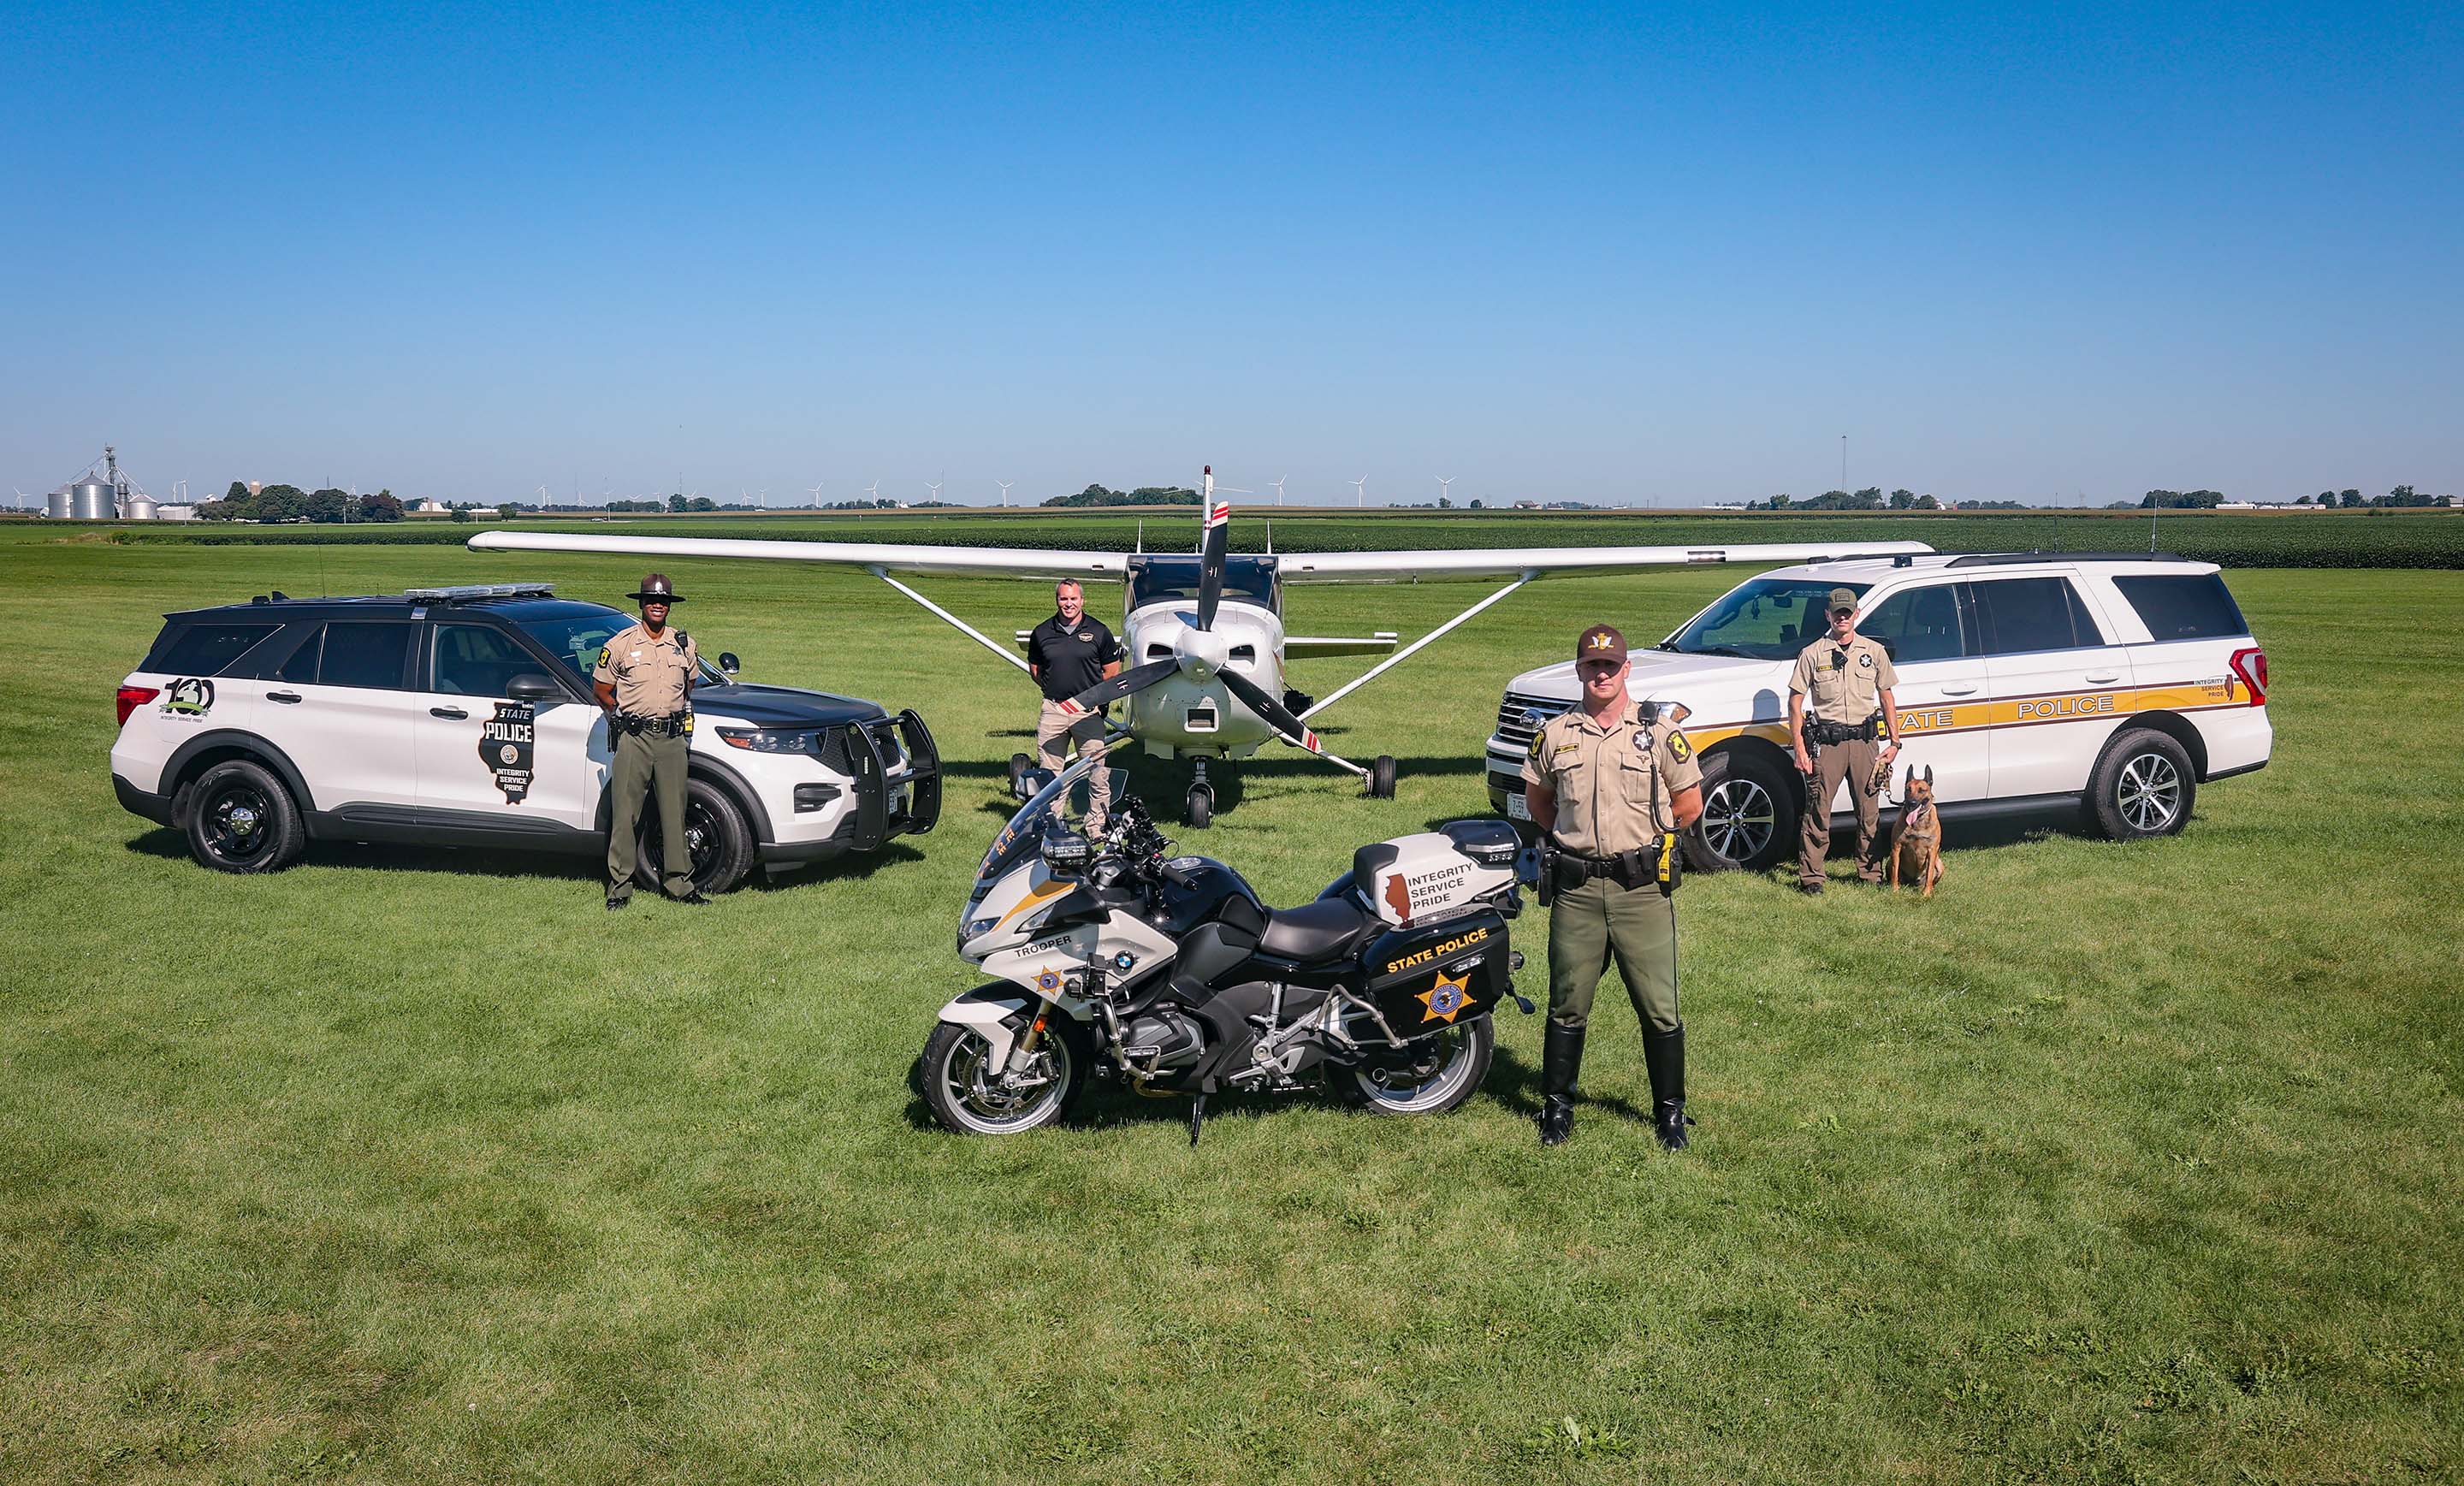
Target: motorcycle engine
x: 1163, y: 1040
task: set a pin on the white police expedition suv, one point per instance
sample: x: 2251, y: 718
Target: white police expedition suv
x: 463, y: 718
x: 2030, y: 683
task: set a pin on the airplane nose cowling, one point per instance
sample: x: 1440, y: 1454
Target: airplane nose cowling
x: 1200, y: 653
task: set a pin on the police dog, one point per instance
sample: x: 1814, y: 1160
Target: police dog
x: 1919, y: 834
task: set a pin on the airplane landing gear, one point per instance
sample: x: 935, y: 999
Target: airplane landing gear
x: 1197, y: 806
x: 1380, y: 783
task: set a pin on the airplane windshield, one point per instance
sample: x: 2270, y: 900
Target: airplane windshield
x: 1157, y: 579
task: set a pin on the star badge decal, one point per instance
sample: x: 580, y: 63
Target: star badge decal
x: 1447, y: 997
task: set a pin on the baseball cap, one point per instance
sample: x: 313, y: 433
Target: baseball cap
x: 1841, y: 598
x: 1600, y: 643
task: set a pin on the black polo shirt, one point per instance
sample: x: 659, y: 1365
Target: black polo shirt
x: 1069, y: 660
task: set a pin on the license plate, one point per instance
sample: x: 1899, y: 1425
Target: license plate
x: 1515, y: 808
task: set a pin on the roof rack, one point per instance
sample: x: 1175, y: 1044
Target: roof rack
x: 464, y: 592
x: 1868, y: 556
x: 1987, y: 559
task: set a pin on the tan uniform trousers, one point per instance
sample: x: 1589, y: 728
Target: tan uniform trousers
x: 1854, y: 761
x: 1054, y: 728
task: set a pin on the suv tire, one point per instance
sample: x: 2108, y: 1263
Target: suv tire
x: 2142, y: 786
x: 721, y: 840
x: 1749, y: 813
x: 241, y: 819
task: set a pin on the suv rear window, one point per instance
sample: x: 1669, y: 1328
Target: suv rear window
x: 2193, y: 606
x: 205, y: 649
x: 347, y: 654
x: 2023, y: 614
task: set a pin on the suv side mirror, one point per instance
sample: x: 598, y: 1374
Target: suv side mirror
x: 531, y: 687
x: 728, y: 663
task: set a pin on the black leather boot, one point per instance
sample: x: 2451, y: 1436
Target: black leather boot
x: 1663, y: 1053
x: 1561, y: 1060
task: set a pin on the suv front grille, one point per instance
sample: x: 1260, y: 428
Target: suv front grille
x: 1519, y: 718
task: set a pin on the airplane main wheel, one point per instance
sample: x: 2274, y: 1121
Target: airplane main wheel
x: 1381, y: 778
x: 1197, y: 810
x: 1018, y: 765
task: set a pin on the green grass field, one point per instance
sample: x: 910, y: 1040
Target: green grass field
x: 2111, y: 1164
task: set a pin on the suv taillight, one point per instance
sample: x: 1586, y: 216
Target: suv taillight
x: 132, y: 698
x: 2251, y: 666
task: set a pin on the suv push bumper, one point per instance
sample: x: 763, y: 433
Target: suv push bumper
x: 902, y: 800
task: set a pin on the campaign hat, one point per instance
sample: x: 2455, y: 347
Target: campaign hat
x: 655, y: 586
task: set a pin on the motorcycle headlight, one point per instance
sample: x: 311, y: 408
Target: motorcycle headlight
x: 771, y: 740
x: 976, y: 928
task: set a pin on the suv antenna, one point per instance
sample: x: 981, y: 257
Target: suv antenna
x: 1142, y: 537
x: 2153, y: 512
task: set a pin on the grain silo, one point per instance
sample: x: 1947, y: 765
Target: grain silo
x: 90, y: 499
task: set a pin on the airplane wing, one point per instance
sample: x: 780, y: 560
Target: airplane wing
x: 889, y: 556
x: 1379, y: 643
x: 1504, y: 563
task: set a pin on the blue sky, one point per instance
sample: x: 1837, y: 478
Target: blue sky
x: 1605, y: 253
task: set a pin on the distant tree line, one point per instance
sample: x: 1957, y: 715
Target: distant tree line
x: 291, y: 503
x: 1870, y: 498
x: 1143, y: 495
x: 2401, y: 497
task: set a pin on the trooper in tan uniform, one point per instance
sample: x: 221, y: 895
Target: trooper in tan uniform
x: 643, y: 679
x: 1839, y: 699
x: 1612, y: 785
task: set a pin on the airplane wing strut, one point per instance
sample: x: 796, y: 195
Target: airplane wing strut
x: 1409, y: 650
x: 948, y: 617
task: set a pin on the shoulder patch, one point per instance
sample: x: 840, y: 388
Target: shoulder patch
x: 1537, y: 739
x: 1678, y: 747
x: 602, y: 655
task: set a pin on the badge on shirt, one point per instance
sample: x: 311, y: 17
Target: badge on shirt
x: 1865, y: 661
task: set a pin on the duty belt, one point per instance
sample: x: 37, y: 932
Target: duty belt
x: 1658, y: 863
x: 675, y: 725
x: 1819, y: 730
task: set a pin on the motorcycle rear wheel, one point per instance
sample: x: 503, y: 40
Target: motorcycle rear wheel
x: 1449, y: 1067
x: 965, y: 1099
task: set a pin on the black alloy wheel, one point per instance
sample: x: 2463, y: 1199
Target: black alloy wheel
x: 241, y: 819
x: 717, y: 841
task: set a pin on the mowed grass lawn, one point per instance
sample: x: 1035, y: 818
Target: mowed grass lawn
x: 2110, y: 1164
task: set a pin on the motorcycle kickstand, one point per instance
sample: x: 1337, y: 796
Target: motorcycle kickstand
x: 1196, y: 1118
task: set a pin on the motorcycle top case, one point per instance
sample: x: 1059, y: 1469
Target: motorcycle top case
x: 1429, y: 874
x: 1424, y: 980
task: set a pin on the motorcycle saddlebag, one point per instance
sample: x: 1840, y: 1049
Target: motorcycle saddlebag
x: 1425, y: 979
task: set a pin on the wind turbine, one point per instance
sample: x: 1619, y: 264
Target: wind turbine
x: 1445, y: 491
x: 1278, y: 488
x: 1004, y: 485
x: 816, y: 493
x: 935, y: 486
x: 1360, y: 490
x: 873, y: 491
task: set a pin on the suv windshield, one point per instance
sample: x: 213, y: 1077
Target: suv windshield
x: 574, y: 637
x: 1770, y: 619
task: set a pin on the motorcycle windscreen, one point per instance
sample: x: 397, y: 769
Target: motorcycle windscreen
x: 1424, y: 980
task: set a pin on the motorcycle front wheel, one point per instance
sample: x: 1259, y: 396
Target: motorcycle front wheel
x: 1431, y: 1076
x: 966, y: 1095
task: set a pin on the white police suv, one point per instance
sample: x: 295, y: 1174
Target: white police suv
x: 2112, y: 685
x: 464, y: 717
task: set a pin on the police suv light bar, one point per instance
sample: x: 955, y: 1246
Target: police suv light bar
x: 465, y: 591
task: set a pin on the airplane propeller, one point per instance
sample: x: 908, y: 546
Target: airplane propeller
x: 1202, y: 654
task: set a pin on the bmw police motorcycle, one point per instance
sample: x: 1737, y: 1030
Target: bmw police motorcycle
x: 1166, y: 974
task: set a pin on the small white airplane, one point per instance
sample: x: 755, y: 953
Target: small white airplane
x: 1204, y: 631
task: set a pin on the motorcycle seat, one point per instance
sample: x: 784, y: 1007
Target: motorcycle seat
x: 1326, y: 930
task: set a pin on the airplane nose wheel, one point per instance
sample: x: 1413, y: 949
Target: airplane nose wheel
x: 1197, y: 808
x: 1380, y: 783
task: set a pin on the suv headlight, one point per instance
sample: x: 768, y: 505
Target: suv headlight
x: 774, y: 740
